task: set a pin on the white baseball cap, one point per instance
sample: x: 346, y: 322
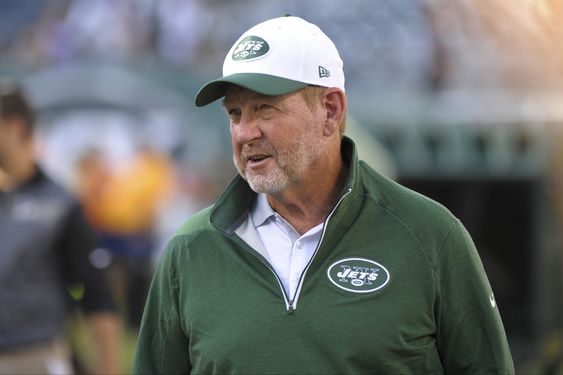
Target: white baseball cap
x: 277, y: 57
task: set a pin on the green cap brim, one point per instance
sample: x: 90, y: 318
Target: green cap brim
x: 260, y: 83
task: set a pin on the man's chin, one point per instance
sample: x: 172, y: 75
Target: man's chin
x: 264, y: 184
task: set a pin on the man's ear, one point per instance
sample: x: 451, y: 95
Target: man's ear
x: 335, y: 107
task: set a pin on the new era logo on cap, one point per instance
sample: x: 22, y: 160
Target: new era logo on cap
x: 323, y: 72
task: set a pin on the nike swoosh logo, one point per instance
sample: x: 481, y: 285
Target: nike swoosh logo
x: 492, y: 300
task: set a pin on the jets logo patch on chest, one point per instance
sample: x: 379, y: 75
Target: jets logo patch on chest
x: 358, y: 275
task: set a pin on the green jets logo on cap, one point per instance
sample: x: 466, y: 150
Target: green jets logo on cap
x: 249, y: 48
x: 358, y: 275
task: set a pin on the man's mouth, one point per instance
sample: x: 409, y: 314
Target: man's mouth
x: 257, y: 159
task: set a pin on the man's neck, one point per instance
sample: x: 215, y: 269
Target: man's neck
x: 18, y: 174
x: 309, y: 204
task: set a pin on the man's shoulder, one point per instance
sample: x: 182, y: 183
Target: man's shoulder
x: 46, y: 197
x: 196, y: 223
x: 42, y: 184
x: 196, y: 236
x: 413, y: 209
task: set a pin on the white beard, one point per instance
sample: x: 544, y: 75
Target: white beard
x: 291, y: 167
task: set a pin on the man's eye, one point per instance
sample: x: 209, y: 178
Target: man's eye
x: 265, y: 107
x: 232, y: 113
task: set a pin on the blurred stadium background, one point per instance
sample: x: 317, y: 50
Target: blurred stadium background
x: 461, y: 100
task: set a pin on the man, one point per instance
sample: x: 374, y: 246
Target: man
x: 311, y: 262
x: 45, y: 248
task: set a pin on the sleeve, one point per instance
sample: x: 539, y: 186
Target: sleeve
x: 162, y: 345
x: 77, y: 242
x: 471, y: 337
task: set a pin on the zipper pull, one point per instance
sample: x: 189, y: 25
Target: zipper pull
x: 290, y: 307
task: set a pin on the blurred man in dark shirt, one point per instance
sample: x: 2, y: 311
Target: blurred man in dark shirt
x: 45, y: 248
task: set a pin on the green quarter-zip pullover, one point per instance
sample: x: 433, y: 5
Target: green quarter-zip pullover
x: 395, y: 286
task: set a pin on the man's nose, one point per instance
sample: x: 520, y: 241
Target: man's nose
x: 247, y: 130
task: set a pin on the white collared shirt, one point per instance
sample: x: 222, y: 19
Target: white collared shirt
x: 287, y: 251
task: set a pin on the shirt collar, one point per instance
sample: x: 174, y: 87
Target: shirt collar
x: 262, y: 213
x: 261, y: 210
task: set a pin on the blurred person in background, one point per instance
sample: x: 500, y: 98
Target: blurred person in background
x: 46, y: 250
x: 122, y: 204
x: 311, y: 261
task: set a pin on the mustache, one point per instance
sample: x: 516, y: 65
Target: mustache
x: 249, y: 150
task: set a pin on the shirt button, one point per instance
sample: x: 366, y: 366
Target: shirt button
x: 298, y: 244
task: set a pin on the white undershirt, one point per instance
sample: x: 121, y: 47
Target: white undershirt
x: 287, y: 251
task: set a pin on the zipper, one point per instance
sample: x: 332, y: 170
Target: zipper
x: 288, y: 302
x: 292, y: 305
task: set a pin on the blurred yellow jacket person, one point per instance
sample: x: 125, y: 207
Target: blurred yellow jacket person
x: 125, y: 200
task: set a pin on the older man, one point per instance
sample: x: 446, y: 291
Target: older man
x: 311, y: 262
